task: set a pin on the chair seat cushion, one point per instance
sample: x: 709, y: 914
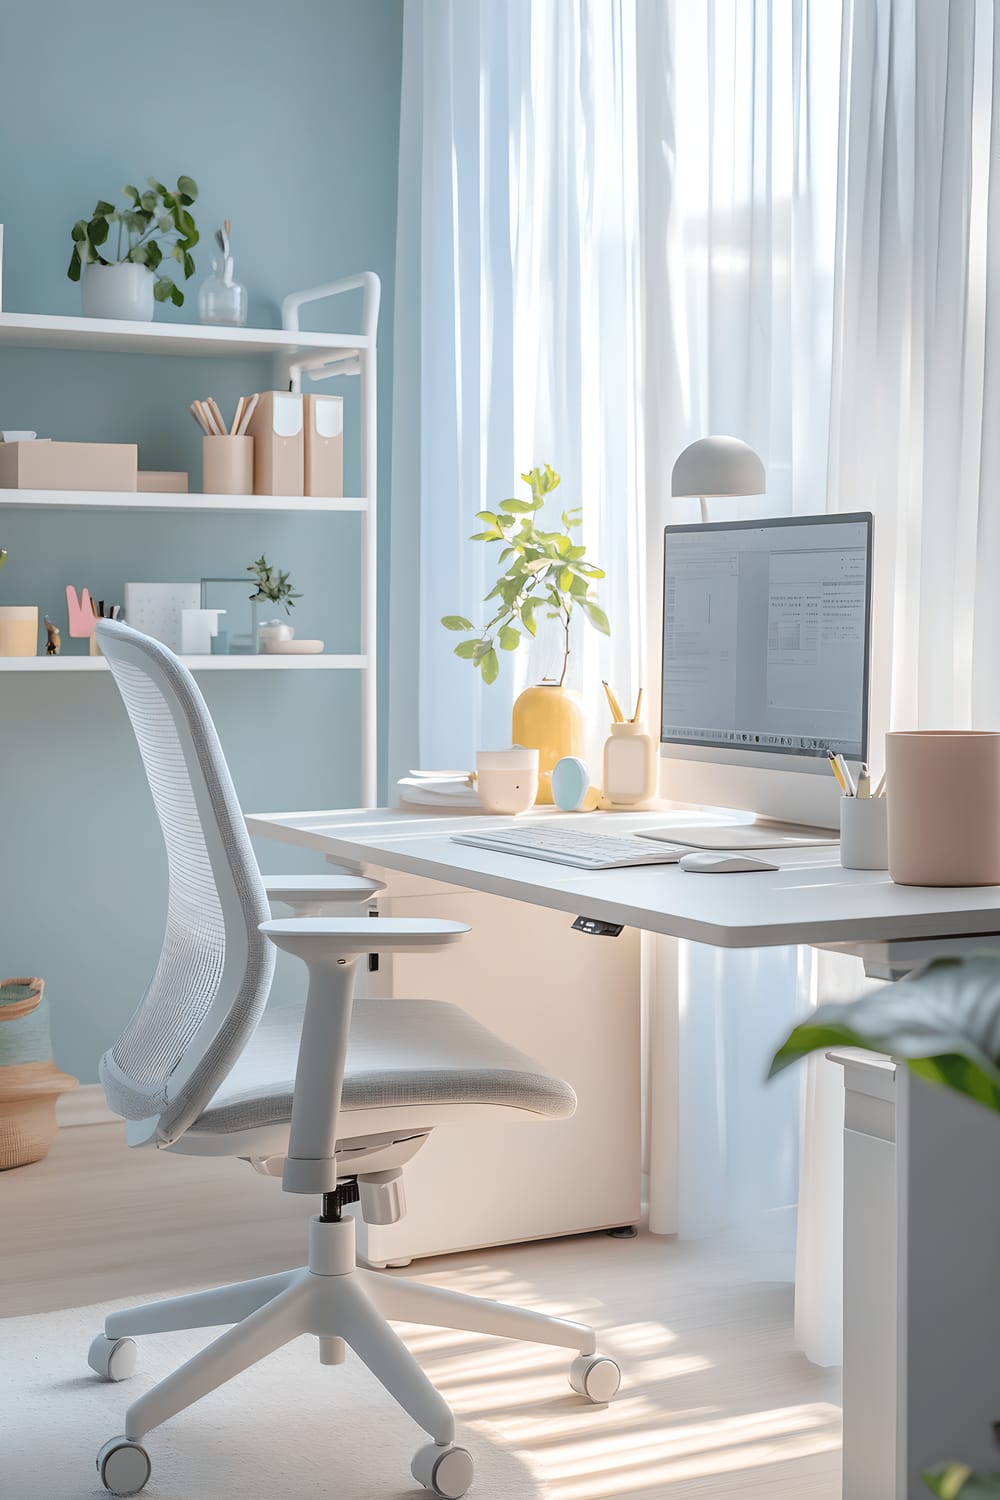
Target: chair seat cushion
x: 401, y: 1052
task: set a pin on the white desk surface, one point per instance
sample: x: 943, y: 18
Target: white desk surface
x: 810, y: 899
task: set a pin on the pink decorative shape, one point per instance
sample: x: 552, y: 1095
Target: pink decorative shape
x: 81, y: 617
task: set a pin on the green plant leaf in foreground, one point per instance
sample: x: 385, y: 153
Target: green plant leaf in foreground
x: 944, y: 1023
x: 958, y: 1482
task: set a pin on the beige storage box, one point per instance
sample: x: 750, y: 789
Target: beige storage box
x: 162, y: 482
x: 324, y: 447
x: 68, y: 466
x: 278, y: 447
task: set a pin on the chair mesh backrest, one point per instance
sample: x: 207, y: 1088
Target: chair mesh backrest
x: 214, y: 972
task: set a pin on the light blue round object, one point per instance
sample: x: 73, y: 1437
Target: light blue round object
x: 570, y: 783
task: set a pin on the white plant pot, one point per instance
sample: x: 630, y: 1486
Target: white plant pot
x: 120, y: 291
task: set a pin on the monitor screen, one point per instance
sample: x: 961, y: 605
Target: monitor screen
x: 766, y: 635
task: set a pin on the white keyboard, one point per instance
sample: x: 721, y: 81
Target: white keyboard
x: 572, y: 846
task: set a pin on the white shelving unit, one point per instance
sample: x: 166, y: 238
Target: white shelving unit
x: 259, y: 663
x: 191, y: 501
x: 297, y: 353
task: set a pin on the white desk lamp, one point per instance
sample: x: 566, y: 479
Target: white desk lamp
x: 717, y: 466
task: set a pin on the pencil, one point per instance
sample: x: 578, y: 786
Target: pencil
x: 638, y: 706
x: 614, y: 705
x: 835, y: 768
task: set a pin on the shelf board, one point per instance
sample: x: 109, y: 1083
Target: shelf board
x: 144, y: 500
x: 275, y: 663
x: 105, y: 335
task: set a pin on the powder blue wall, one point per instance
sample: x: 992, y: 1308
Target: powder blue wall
x: 287, y: 116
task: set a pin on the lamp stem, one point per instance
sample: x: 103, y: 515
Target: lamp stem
x: 704, y: 508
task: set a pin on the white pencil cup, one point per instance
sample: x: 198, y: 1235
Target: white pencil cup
x: 864, y: 833
x: 227, y: 465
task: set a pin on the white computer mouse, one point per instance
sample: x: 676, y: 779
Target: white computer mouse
x: 711, y: 862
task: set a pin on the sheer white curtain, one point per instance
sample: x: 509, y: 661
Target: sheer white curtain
x: 915, y: 435
x: 739, y: 148
x: 523, y: 263
x: 625, y: 225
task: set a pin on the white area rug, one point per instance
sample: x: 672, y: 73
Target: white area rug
x: 288, y: 1429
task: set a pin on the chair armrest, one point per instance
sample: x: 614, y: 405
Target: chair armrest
x: 331, y: 948
x: 308, y: 937
x: 313, y: 895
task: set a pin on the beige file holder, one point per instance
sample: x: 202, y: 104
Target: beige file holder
x: 324, y: 447
x: 278, y: 447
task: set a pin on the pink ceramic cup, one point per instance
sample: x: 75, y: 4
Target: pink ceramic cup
x: 943, y: 790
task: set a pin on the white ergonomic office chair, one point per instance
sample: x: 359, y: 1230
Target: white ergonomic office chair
x: 336, y: 1099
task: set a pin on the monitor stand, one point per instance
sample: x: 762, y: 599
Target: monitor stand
x: 764, y: 833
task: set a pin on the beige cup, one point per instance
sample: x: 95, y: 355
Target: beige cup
x: 227, y: 465
x: 18, y: 630
x: 943, y: 791
x: 507, y: 780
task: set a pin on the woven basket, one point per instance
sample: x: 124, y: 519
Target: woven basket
x: 30, y: 1082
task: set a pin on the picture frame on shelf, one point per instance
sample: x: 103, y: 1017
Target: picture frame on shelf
x: 237, y: 635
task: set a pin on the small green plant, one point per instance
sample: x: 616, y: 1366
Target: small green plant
x: 544, y: 570
x: 145, y: 228
x: 959, y: 1482
x: 272, y: 584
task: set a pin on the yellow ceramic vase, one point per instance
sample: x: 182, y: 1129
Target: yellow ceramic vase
x: 549, y: 719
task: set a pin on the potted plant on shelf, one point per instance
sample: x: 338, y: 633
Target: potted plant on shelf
x: 943, y: 1025
x: 543, y: 570
x: 273, y: 587
x: 18, y: 626
x: 128, y: 282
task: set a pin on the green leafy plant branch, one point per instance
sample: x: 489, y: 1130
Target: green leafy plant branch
x: 544, y: 570
x: 959, y: 1482
x: 146, y: 225
x: 273, y: 584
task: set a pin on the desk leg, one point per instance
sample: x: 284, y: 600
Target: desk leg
x: 660, y: 987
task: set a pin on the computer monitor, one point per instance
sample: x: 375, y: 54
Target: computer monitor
x: 766, y: 658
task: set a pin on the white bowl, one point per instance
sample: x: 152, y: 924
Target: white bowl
x: 291, y: 648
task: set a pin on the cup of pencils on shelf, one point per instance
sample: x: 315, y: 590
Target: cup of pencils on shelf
x: 226, y: 452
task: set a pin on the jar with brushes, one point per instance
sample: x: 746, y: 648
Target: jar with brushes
x: 222, y: 300
x: 630, y: 760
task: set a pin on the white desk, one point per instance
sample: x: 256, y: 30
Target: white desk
x: 808, y: 900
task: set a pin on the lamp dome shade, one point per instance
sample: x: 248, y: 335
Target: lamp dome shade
x: 718, y: 466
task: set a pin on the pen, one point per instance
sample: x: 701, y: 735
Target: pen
x: 864, y: 782
x: 852, y: 790
x: 835, y: 768
x: 880, y: 789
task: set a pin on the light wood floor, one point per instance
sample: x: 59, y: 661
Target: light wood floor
x: 716, y: 1404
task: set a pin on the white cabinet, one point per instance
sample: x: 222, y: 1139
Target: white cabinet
x: 921, y: 1272
x: 571, y: 1001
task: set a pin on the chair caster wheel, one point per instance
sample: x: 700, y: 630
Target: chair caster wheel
x: 124, y: 1466
x: 443, y: 1469
x: 113, y: 1359
x: 595, y: 1378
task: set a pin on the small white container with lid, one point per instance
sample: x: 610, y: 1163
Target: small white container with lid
x: 630, y: 766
